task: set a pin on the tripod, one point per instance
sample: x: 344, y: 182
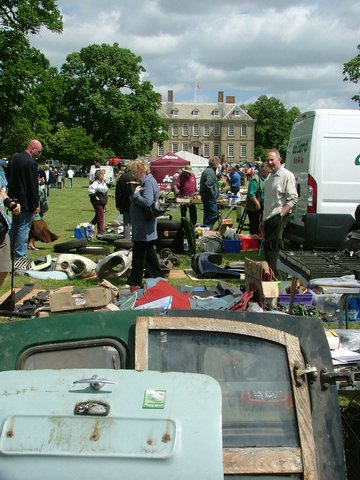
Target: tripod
x: 242, y: 220
x: 7, y: 307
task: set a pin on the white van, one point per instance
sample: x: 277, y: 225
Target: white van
x: 109, y: 174
x: 324, y: 155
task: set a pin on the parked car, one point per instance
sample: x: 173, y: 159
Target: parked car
x: 53, y: 163
x: 109, y: 174
x: 77, y: 170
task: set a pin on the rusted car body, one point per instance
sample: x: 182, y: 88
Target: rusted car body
x: 280, y: 414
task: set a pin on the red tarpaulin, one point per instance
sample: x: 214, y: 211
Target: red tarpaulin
x: 163, y: 289
x: 163, y: 168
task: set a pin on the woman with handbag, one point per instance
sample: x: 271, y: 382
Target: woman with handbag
x: 98, y: 198
x: 144, y: 233
x: 5, y: 224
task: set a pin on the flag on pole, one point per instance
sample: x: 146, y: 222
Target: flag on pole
x: 197, y: 87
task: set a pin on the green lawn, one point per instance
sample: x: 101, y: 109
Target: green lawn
x: 67, y: 208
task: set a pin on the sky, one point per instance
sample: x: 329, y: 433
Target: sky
x: 292, y: 50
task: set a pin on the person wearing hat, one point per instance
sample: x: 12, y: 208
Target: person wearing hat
x: 185, y: 186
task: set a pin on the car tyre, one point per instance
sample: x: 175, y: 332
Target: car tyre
x: 64, y: 247
x: 95, y: 250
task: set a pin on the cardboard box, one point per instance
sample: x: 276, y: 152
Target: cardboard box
x: 68, y: 298
x: 267, y: 290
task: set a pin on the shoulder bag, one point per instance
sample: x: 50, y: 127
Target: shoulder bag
x: 155, y: 210
x: 4, y: 228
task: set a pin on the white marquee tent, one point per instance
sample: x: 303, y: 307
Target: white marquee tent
x: 198, y: 164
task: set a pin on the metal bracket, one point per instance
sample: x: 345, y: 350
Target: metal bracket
x: 330, y: 378
x: 96, y: 382
x: 309, y: 370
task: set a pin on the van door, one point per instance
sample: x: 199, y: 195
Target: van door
x: 298, y: 162
x: 94, y: 424
x: 267, y: 429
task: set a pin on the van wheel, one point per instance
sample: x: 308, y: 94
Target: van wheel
x: 64, y: 247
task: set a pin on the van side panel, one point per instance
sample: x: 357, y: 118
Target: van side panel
x: 325, y: 144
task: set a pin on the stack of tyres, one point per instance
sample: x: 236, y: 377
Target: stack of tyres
x: 170, y: 235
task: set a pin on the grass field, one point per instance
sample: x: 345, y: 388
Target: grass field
x: 67, y: 208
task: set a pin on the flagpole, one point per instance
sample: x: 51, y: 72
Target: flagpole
x: 197, y: 86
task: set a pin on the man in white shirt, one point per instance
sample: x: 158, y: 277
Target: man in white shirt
x: 280, y: 196
x: 70, y: 174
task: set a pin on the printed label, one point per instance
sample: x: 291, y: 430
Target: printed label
x: 154, y: 399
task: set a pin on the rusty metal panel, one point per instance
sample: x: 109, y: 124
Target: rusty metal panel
x: 128, y: 424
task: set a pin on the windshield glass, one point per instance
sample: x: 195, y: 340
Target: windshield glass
x: 254, y: 377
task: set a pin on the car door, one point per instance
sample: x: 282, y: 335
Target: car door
x: 267, y: 427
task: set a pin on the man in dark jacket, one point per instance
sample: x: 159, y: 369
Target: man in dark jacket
x: 24, y: 186
x: 125, y: 187
x: 209, y: 191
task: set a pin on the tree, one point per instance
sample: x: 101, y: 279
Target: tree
x: 273, y: 124
x: 104, y: 94
x: 28, y: 16
x: 24, y: 71
x: 351, y: 72
x: 72, y: 145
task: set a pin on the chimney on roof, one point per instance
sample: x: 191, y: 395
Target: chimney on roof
x: 230, y: 99
x: 170, y: 96
x: 220, y: 97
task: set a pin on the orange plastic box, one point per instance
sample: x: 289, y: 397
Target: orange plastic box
x: 249, y: 242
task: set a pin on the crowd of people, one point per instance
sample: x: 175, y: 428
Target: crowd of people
x: 271, y: 194
x: 24, y: 190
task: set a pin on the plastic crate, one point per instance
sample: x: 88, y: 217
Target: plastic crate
x: 231, y: 246
x: 299, y: 298
x: 249, y: 242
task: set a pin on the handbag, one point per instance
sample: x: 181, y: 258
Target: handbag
x: 103, y: 198
x: 155, y: 210
x: 4, y: 228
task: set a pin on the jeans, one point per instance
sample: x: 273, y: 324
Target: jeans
x: 211, y: 212
x: 192, y: 212
x: 22, y: 225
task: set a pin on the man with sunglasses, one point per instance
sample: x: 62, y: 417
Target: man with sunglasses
x: 23, y: 180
